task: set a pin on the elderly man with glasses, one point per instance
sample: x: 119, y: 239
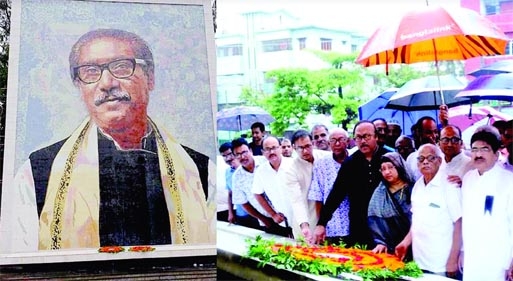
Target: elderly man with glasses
x: 487, y: 203
x: 320, y: 137
x: 435, y: 232
x: 357, y: 179
x: 118, y: 179
x: 324, y: 174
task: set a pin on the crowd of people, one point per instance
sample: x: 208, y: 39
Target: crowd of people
x: 423, y: 197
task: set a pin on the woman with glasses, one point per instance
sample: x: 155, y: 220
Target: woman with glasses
x: 389, y: 215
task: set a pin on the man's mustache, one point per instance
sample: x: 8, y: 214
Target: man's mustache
x: 114, y: 94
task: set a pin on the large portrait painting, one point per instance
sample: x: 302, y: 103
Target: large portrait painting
x: 110, y: 136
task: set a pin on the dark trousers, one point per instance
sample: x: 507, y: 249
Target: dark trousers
x: 277, y: 229
x: 222, y: 216
x: 247, y: 221
x: 337, y: 240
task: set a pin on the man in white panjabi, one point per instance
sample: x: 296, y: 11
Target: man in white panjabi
x: 435, y: 232
x: 487, y: 202
x: 118, y: 179
x: 298, y: 178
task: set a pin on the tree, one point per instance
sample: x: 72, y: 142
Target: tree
x: 299, y: 92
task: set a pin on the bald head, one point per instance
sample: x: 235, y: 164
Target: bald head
x: 338, y: 141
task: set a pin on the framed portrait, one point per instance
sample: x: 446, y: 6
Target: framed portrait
x: 110, y: 137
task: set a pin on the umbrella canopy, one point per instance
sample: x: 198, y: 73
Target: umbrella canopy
x: 375, y: 108
x: 465, y: 116
x: 425, y: 93
x: 434, y: 33
x: 489, y: 87
x: 241, y: 118
x: 498, y: 67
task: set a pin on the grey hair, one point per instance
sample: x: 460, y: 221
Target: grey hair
x: 437, y: 150
x: 319, y: 126
x: 140, y: 47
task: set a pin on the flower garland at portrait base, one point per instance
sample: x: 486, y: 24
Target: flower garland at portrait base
x: 330, y: 260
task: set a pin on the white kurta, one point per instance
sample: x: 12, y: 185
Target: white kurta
x: 297, y: 182
x: 487, y: 232
x: 435, y: 207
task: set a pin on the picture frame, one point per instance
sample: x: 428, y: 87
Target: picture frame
x: 44, y: 106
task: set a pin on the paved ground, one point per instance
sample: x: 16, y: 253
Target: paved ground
x: 187, y: 268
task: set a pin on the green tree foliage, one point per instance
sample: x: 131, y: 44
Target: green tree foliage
x: 5, y: 30
x: 299, y: 92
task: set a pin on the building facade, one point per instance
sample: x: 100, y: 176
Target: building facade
x: 501, y: 13
x: 271, y: 40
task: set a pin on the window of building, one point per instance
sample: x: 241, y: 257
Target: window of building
x: 229, y: 50
x: 354, y: 48
x: 326, y: 44
x: 302, y: 43
x: 277, y: 45
x: 509, y: 48
x: 494, y: 7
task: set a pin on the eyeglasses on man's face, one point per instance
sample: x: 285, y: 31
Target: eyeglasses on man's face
x: 227, y: 155
x: 321, y: 135
x: 484, y: 149
x: 453, y: 140
x: 430, y: 158
x: 120, y: 68
x: 339, y: 140
x: 365, y: 137
x: 242, y: 153
x: 271, y: 149
x: 304, y: 147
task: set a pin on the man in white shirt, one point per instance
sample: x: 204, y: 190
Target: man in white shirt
x: 435, y: 233
x: 242, y: 182
x: 269, y: 189
x: 455, y: 163
x: 487, y: 203
x: 297, y: 181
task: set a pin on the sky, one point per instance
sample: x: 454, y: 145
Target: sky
x: 362, y: 16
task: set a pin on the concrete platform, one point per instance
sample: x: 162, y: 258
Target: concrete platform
x: 231, y: 247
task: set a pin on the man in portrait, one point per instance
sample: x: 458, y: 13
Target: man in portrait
x: 119, y: 178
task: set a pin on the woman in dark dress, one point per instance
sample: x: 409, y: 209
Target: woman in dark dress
x: 389, y: 215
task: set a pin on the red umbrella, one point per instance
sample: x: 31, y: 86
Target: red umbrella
x: 433, y: 34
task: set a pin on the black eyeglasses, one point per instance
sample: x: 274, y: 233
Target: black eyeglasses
x: 301, y: 148
x: 484, y: 149
x: 227, y: 155
x: 322, y: 135
x: 121, y: 68
x: 242, y: 153
x: 271, y: 149
x: 365, y: 137
x: 339, y: 140
x: 430, y: 158
x: 453, y: 140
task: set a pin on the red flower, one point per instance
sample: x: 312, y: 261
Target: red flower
x: 111, y: 249
x: 141, y: 249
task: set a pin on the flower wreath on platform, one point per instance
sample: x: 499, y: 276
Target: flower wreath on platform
x: 333, y: 260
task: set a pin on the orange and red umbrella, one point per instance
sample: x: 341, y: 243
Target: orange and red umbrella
x: 434, y: 33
